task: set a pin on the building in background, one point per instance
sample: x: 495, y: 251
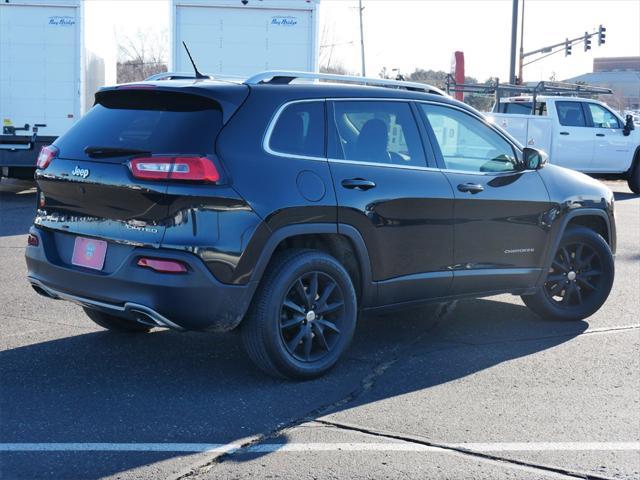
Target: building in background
x: 622, y: 75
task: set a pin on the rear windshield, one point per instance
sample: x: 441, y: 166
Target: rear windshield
x: 523, y: 108
x: 158, y: 122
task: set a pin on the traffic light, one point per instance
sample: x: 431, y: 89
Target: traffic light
x: 587, y: 41
x: 567, y: 48
x: 601, y: 35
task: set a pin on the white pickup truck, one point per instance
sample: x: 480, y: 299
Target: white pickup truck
x: 577, y: 133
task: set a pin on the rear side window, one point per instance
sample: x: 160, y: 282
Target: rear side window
x: 299, y: 130
x: 570, y: 114
x: 158, y: 122
x: 518, y: 108
x: 377, y: 132
x: 523, y: 108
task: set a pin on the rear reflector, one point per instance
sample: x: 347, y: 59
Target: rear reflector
x: 32, y: 240
x: 45, y: 156
x: 161, y: 265
x: 198, y: 169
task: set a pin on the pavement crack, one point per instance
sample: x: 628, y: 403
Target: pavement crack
x: 541, y: 468
x: 366, y: 384
x: 46, y: 322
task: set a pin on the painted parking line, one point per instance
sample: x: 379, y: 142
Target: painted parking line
x: 319, y: 447
x: 616, y: 328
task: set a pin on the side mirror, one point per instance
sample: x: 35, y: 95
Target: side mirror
x: 534, y: 158
x: 628, y: 126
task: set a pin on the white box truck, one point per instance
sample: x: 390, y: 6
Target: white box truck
x: 54, y: 54
x: 238, y: 38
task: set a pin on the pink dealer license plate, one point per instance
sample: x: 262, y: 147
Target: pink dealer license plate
x: 89, y: 253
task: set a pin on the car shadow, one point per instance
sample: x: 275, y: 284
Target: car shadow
x: 167, y: 387
x: 17, y: 210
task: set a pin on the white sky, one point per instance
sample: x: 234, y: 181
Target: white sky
x: 407, y: 34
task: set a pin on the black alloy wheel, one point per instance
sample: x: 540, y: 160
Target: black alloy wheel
x: 303, y: 315
x: 579, y: 279
x: 312, y: 314
x: 575, y: 275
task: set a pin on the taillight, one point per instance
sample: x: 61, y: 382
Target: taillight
x: 162, y: 265
x: 45, y: 156
x: 33, y: 240
x: 197, y: 169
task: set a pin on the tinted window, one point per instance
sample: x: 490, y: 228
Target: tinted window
x: 468, y: 144
x: 602, y: 118
x: 518, y: 108
x: 377, y: 131
x: 570, y: 114
x: 299, y: 130
x: 523, y: 108
x: 159, y: 122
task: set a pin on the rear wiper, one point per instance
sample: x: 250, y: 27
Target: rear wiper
x: 104, y: 152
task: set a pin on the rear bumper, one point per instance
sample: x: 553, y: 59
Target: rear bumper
x: 191, y: 301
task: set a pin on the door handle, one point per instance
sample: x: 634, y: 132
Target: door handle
x: 470, y: 187
x: 357, y: 183
x: 599, y: 134
x: 564, y: 133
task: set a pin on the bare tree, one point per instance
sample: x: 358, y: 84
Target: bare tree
x: 328, y: 45
x: 336, y: 68
x: 141, y: 55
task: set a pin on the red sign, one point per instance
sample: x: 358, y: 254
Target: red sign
x: 457, y: 70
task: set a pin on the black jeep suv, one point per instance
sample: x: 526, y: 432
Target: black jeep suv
x: 285, y: 209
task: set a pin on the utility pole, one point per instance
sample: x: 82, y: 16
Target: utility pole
x: 514, y: 41
x: 360, y: 8
x: 521, y: 57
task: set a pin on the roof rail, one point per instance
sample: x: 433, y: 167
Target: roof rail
x: 190, y: 75
x: 286, y: 77
x: 544, y: 87
x: 171, y: 76
x: 500, y: 90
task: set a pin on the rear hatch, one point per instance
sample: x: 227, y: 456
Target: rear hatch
x: 89, y: 188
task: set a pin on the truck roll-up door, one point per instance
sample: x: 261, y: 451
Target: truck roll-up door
x: 242, y: 41
x: 39, y: 67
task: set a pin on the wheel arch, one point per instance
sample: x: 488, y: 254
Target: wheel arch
x: 635, y: 161
x: 343, y: 242
x: 592, y: 218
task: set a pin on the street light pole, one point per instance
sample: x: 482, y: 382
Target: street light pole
x: 514, y: 41
x: 364, y: 70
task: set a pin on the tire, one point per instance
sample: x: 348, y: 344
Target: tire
x: 633, y: 180
x: 580, y: 279
x: 118, y: 324
x: 294, y: 329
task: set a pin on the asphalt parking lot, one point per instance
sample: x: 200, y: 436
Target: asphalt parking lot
x: 475, y: 389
